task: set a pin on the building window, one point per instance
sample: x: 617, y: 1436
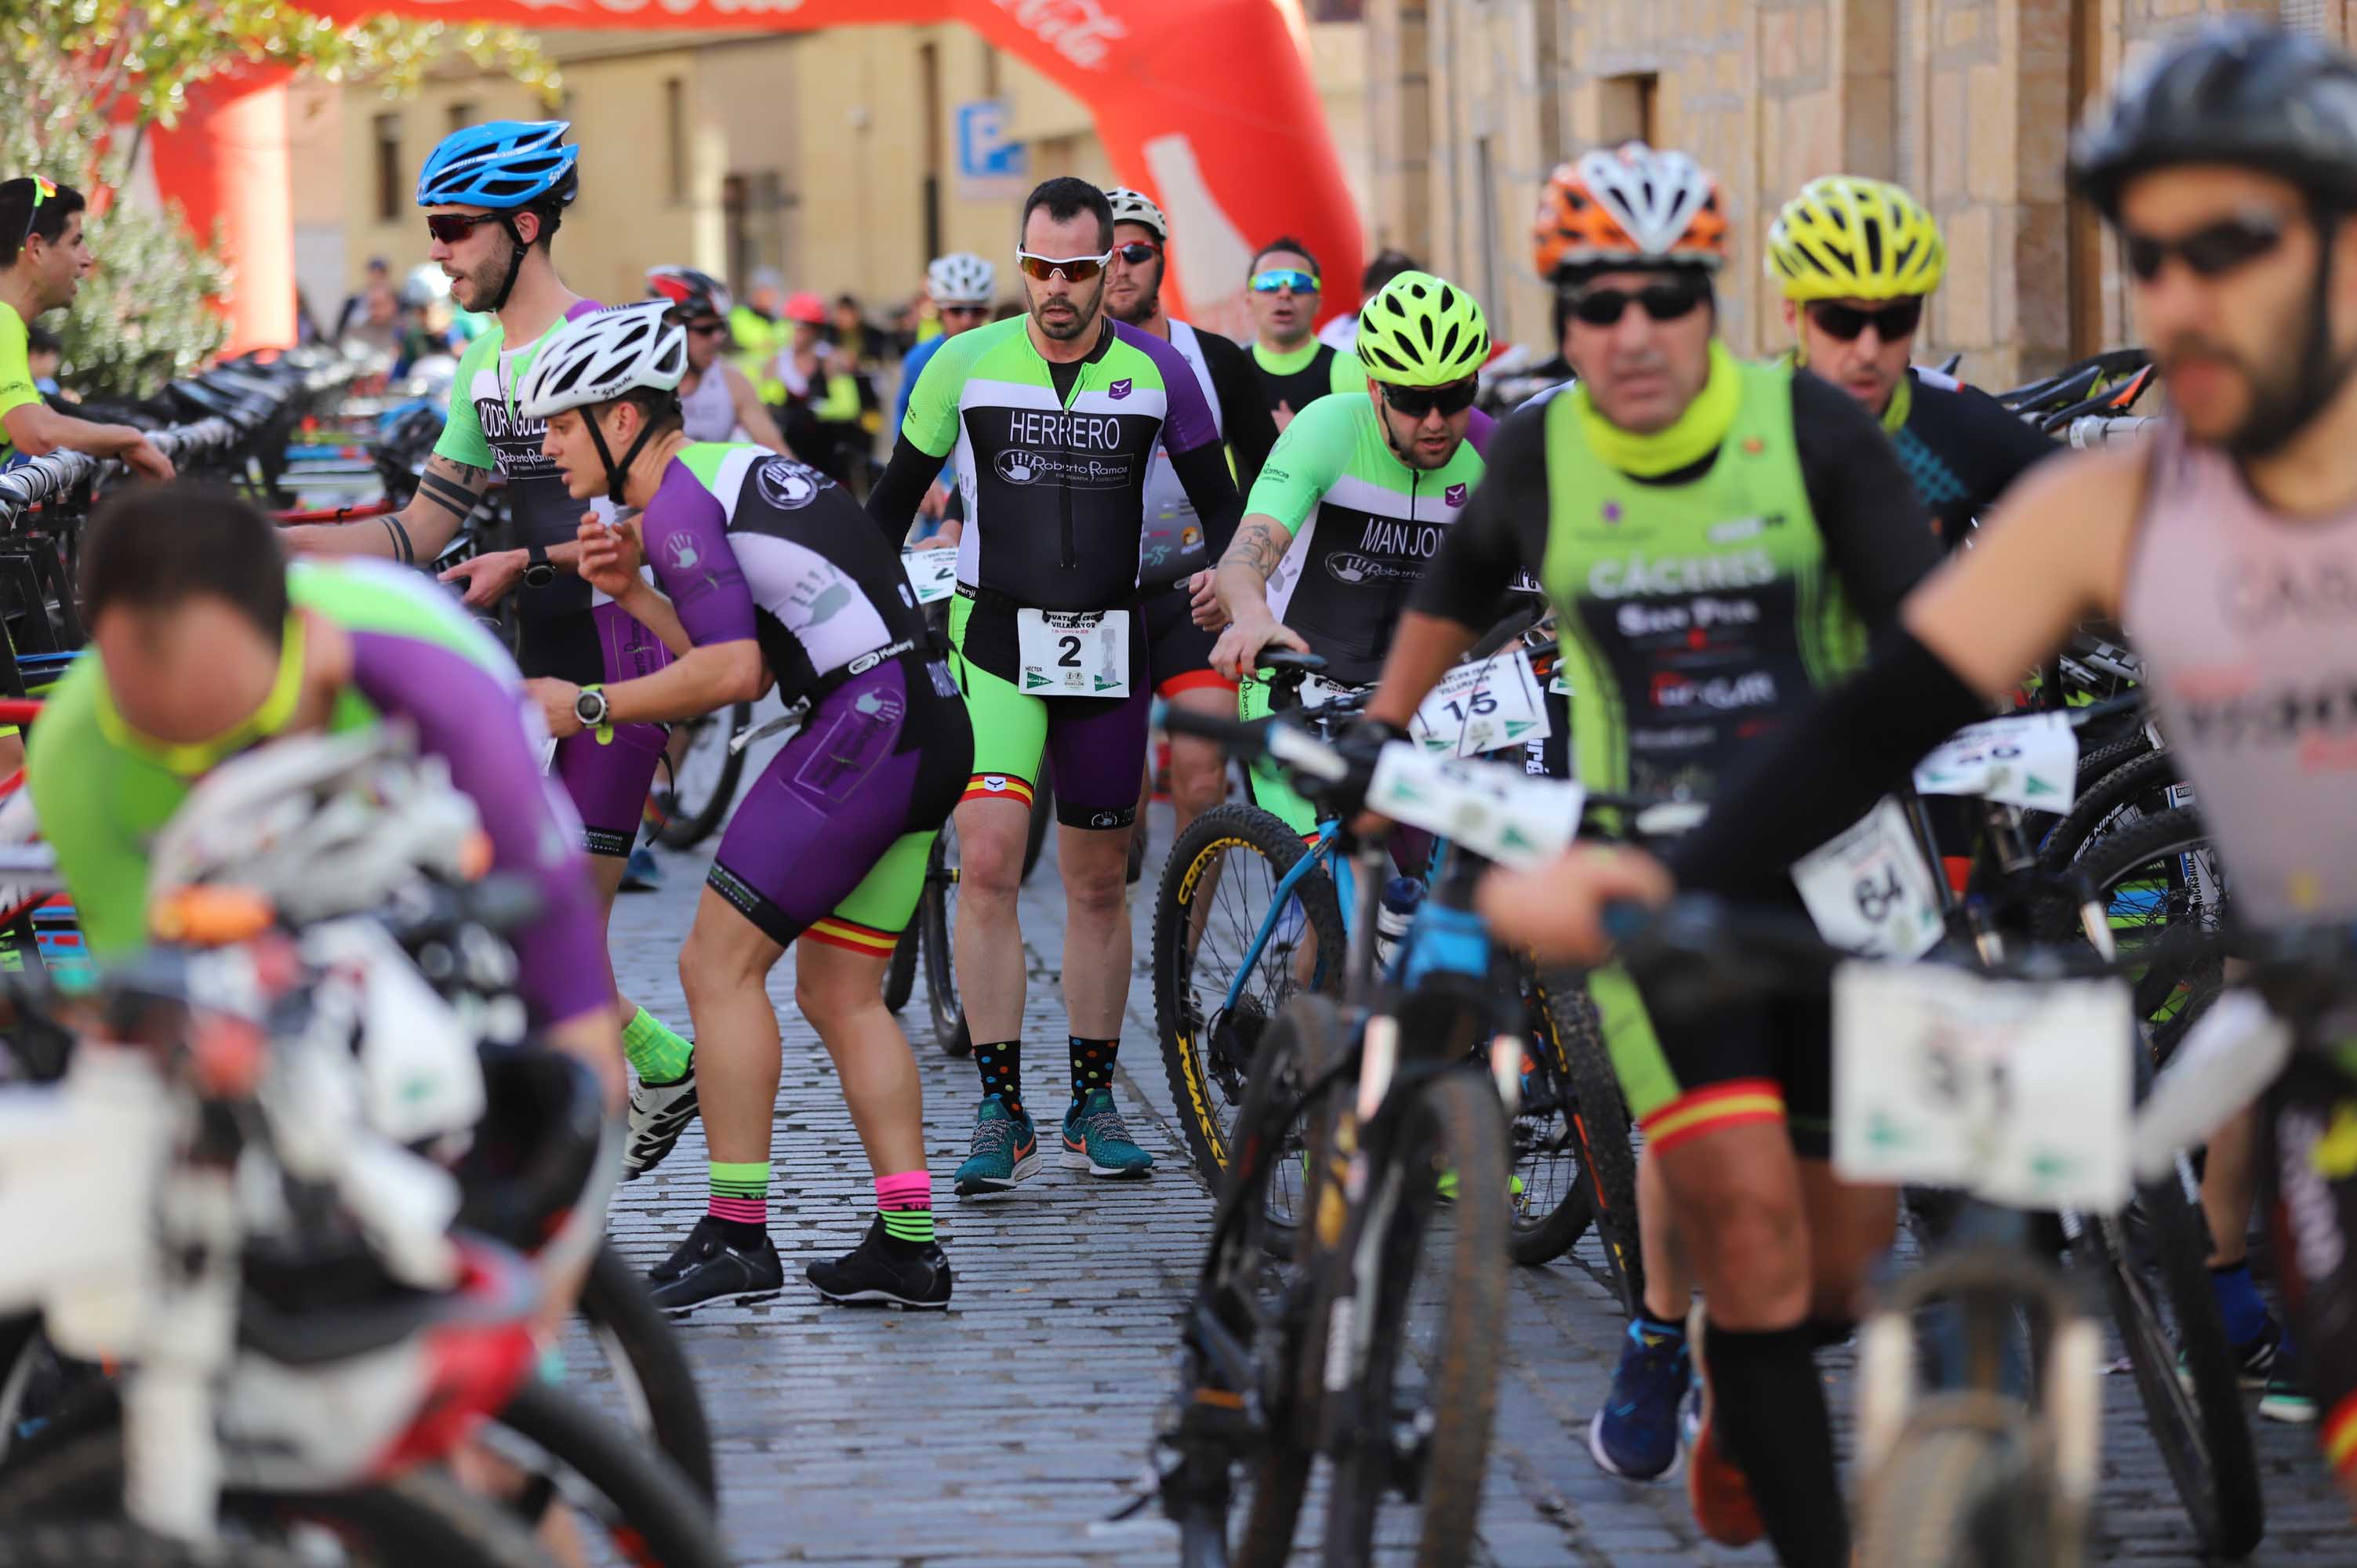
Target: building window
x: 388, y: 167
x: 1336, y: 10
x: 465, y: 115
x: 675, y: 134
x: 1630, y: 109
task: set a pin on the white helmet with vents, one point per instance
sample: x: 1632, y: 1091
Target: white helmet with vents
x: 1136, y: 207
x: 961, y: 278
x: 599, y: 357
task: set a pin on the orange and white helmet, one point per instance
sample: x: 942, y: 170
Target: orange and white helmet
x: 1631, y: 206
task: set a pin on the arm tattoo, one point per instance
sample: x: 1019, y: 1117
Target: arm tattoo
x: 402, y: 550
x: 452, y: 485
x: 1257, y: 546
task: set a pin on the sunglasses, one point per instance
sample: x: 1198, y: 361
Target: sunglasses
x: 965, y: 311
x: 1138, y: 252
x: 1661, y: 301
x: 452, y: 228
x: 709, y: 328
x: 42, y: 191
x: 1843, y: 322
x: 1293, y: 278
x: 1072, y: 269
x: 2209, y: 252
x: 1418, y: 401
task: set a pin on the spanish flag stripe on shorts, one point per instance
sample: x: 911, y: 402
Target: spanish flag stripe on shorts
x: 2340, y: 1438
x: 838, y: 932
x: 1730, y: 1104
x: 996, y: 787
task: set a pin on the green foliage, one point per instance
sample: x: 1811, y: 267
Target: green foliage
x: 68, y: 67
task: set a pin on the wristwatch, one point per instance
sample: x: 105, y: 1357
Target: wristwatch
x: 538, y: 571
x: 589, y: 707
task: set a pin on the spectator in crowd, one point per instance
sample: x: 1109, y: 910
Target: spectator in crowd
x: 761, y: 331
x: 822, y: 403
x: 371, y: 316
x: 854, y: 338
x: 44, y: 352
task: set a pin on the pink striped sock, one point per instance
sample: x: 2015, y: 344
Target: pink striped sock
x: 738, y: 1210
x: 909, y: 1189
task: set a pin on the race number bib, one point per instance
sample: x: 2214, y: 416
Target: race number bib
x: 1492, y: 809
x: 1074, y: 653
x: 2023, y: 759
x: 1869, y: 888
x: 933, y: 573
x: 1481, y: 707
x: 2020, y: 1093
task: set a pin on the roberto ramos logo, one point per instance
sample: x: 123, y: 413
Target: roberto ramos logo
x: 1018, y: 466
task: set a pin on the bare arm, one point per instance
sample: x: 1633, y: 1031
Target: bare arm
x: 700, y: 681
x: 751, y: 413
x: 2057, y: 554
x: 1241, y: 583
x: 651, y: 609
x: 447, y: 493
x: 36, y: 430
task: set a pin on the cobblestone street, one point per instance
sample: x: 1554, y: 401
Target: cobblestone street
x: 1005, y: 1430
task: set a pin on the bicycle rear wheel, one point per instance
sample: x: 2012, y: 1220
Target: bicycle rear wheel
x: 1218, y: 892
x: 901, y: 977
x: 937, y: 918
x: 704, y: 784
x: 1425, y: 1297
x: 1572, y: 1127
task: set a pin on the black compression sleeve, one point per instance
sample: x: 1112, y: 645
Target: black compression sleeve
x: 906, y: 478
x: 1503, y: 529
x: 1824, y: 771
x: 1204, y: 473
x: 1244, y: 418
x: 1878, y: 537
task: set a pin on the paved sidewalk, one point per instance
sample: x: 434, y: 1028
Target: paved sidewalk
x: 1003, y: 1430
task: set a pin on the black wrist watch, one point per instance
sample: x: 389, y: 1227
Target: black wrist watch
x: 538, y: 570
x: 589, y: 707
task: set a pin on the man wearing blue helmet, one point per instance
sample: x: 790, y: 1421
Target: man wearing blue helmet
x: 494, y: 196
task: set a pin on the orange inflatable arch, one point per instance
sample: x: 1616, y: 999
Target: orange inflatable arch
x: 1206, y: 105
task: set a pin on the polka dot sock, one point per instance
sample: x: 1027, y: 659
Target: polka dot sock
x: 1092, y: 1065
x: 1001, y: 1063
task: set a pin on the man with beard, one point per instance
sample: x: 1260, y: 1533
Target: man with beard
x: 1054, y: 417
x: 1718, y: 540
x: 2229, y: 168
x: 1179, y: 650
x: 494, y: 196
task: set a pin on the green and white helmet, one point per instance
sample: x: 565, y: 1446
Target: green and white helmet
x: 1422, y: 331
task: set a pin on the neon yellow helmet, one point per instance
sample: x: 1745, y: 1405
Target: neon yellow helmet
x: 1847, y: 238
x: 1419, y: 331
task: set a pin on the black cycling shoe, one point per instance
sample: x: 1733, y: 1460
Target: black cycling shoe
x: 875, y: 1274
x: 709, y: 1267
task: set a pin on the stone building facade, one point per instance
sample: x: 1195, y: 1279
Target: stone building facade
x: 1966, y: 103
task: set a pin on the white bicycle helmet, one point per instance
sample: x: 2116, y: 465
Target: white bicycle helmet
x: 322, y: 826
x: 961, y: 278
x: 1633, y: 205
x: 1135, y: 207
x: 597, y: 358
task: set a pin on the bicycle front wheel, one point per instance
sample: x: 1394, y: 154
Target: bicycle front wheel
x: 1227, y: 954
x: 642, y: 1350
x: 1573, y: 1160
x: 937, y: 918
x: 1956, y: 1493
x: 1423, y: 1296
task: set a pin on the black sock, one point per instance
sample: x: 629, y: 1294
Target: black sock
x: 1768, y: 1407
x: 1092, y: 1064
x: 1001, y: 1062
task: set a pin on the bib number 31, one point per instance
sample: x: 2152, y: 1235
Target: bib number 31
x: 1074, y: 653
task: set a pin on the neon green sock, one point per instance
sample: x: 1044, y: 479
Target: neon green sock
x: 656, y: 1054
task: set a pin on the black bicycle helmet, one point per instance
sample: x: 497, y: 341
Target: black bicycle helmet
x: 2240, y: 93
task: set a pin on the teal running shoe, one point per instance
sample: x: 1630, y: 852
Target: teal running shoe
x: 1006, y: 1151
x: 1097, y: 1141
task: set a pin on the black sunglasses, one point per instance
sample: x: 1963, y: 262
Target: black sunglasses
x: 708, y: 328
x: 1138, y: 252
x: 965, y: 311
x: 1417, y: 402
x: 1662, y: 301
x: 452, y: 228
x: 2210, y: 251
x: 1845, y: 322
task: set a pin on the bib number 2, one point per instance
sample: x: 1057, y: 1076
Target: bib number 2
x: 1074, y: 653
